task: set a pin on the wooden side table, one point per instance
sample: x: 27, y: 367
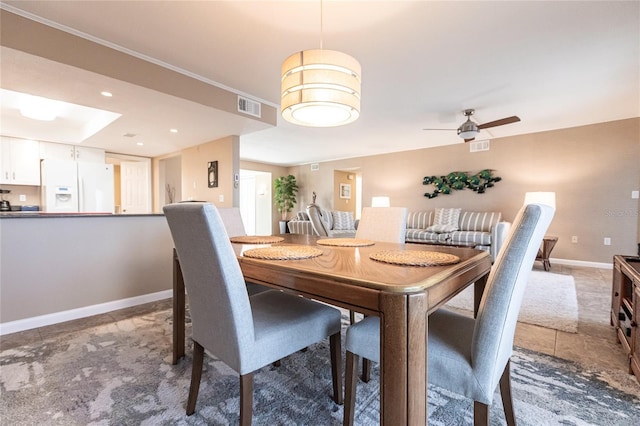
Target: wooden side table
x: 548, y: 243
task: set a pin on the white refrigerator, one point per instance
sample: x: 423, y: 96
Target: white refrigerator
x: 74, y: 187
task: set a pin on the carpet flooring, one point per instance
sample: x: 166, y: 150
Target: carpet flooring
x: 121, y: 374
x: 549, y: 301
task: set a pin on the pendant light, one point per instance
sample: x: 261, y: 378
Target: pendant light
x: 320, y: 88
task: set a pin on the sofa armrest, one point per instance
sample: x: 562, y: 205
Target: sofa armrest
x: 498, y: 235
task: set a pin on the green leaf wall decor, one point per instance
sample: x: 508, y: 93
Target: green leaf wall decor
x: 456, y: 181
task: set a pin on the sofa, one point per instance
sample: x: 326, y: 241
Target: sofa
x: 331, y: 223
x: 452, y: 226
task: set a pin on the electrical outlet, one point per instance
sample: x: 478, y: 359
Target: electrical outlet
x: 221, y: 198
x: 574, y: 239
x: 607, y: 241
x: 23, y: 197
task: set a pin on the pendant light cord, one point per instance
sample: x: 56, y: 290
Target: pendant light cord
x: 320, y: 24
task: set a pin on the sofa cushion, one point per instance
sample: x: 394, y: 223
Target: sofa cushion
x: 481, y: 238
x: 440, y: 229
x: 302, y: 216
x: 448, y: 216
x: 423, y: 236
x: 343, y: 221
x: 479, y: 221
x: 327, y: 218
x: 419, y: 220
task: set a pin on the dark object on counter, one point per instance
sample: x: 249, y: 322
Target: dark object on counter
x: 30, y: 208
x: 15, y: 208
x: 5, y: 205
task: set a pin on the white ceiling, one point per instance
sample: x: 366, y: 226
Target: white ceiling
x: 553, y: 64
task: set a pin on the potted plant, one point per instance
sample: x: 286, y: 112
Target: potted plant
x: 285, y: 190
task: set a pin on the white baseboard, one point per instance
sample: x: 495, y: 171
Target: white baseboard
x: 584, y: 263
x: 87, y: 311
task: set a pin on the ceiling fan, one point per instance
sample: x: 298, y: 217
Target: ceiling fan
x: 470, y: 129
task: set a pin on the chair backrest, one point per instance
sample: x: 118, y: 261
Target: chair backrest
x: 495, y: 325
x: 315, y: 214
x: 384, y: 224
x: 232, y: 220
x: 221, y: 314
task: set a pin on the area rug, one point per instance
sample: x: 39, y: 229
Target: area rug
x: 549, y: 301
x: 121, y: 374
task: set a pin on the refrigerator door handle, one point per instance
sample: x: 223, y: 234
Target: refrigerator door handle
x: 80, y: 194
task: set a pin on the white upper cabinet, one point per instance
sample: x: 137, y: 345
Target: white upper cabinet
x: 60, y: 151
x: 20, y: 162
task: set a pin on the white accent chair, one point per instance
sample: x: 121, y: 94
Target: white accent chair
x: 466, y: 355
x: 246, y: 333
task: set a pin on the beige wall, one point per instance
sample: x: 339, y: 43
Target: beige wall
x: 194, y: 172
x: 592, y: 169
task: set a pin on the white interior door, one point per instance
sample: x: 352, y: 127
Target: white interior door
x: 135, y: 187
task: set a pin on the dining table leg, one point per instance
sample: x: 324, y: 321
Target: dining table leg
x: 179, y: 310
x: 403, y: 372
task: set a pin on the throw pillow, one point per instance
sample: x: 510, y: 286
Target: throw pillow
x: 447, y: 217
x: 442, y: 229
x: 343, y: 221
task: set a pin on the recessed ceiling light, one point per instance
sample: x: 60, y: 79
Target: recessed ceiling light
x: 106, y: 94
x: 173, y: 130
x: 139, y: 143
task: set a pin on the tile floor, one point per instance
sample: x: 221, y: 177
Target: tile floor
x: 594, y: 345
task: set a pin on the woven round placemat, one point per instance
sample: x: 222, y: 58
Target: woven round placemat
x: 415, y: 258
x: 283, y: 252
x: 345, y: 242
x: 256, y: 239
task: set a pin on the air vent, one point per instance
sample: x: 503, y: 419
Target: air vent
x: 249, y: 107
x: 477, y: 146
x: 315, y: 167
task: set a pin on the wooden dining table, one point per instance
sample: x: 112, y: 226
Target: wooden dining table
x: 402, y: 296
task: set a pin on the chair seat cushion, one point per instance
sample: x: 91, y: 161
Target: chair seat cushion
x: 283, y: 324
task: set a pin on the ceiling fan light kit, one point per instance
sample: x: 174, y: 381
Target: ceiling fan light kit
x: 320, y: 88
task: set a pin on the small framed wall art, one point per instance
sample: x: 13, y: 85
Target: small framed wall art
x: 212, y: 171
x: 345, y: 191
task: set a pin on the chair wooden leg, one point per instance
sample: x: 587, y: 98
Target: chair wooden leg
x: 352, y: 317
x: 336, y: 366
x: 505, y: 393
x: 246, y: 399
x: 480, y: 414
x: 351, y: 380
x: 196, y: 374
x: 366, y: 370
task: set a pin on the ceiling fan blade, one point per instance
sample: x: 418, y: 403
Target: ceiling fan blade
x: 438, y: 129
x: 501, y: 122
x: 469, y: 140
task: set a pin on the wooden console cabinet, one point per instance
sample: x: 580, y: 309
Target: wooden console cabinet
x: 625, y: 307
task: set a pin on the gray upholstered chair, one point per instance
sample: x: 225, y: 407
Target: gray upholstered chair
x: 465, y: 355
x: 384, y: 224
x: 246, y: 333
x: 330, y: 223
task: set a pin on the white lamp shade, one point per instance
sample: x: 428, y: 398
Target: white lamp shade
x: 548, y: 198
x: 320, y: 88
x: 380, y: 202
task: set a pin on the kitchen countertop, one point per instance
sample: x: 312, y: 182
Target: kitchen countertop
x: 33, y: 215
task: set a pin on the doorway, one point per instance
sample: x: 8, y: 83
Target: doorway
x: 132, y: 183
x: 255, y: 202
